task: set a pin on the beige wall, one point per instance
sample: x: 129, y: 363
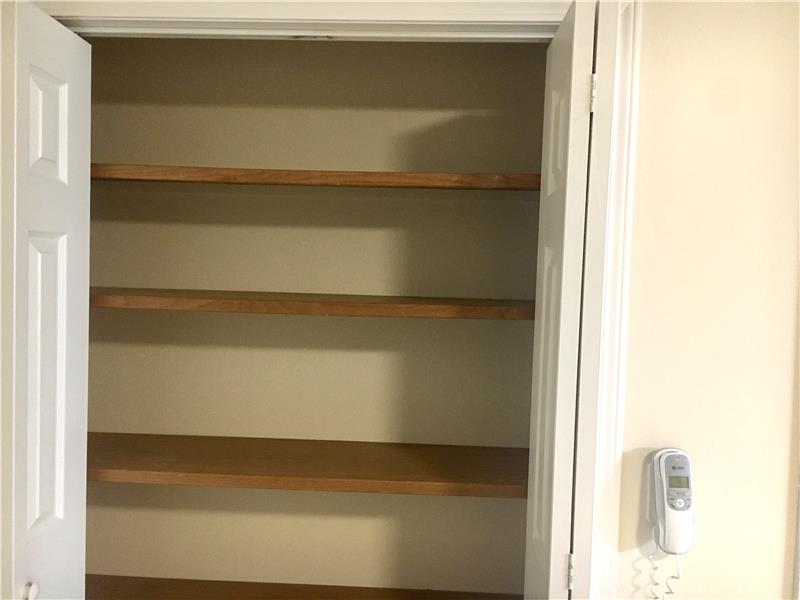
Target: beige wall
x: 713, y: 318
x: 313, y: 105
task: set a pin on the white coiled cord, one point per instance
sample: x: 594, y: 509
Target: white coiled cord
x: 676, y: 576
x: 655, y: 584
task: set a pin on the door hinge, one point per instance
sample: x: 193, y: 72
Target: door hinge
x: 570, y: 571
x: 593, y: 94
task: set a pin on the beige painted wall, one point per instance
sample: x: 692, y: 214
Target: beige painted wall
x: 313, y: 105
x: 713, y: 313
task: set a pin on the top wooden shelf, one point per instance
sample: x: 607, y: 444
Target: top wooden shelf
x: 376, y: 179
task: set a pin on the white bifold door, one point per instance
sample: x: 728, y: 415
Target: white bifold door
x: 51, y: 306
x: 559, y: 274
x: 51, y: 284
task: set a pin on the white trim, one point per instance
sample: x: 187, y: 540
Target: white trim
x: 431, y: 31
x: 8, y: 85
x: 519, y: 21
x: 605, y: 305
x: 444, y: 11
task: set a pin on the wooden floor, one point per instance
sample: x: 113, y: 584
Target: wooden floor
x: 107, y: 587
x: 312, y: 465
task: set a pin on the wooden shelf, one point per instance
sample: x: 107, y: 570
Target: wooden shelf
x: 337, y: 305
x: 325, y: 466
x: 110, y: 587
x: 377, y: 179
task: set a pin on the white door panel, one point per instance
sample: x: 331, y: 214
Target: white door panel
x: 51, y: 283
x: 558, y: 300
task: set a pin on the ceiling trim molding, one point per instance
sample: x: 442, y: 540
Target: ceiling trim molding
x: 312, y: 29
x: 521, y: 21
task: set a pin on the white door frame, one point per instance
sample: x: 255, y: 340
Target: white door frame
x: 603, y: 356
x: 609, y: 203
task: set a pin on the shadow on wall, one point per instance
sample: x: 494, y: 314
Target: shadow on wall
x: 469, y: 136
x: 313, y: 74
x: 210, y: 373
x: 454, y: 382
x: 461, y: 107
x: 253, y: 531
x: 415, y: 242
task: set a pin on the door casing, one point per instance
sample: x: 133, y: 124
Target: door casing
x: 608, y: 218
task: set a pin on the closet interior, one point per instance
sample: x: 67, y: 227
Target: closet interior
x: 313, y: 266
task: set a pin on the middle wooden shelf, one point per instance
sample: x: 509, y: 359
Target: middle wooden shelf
x: 340, y: 305
x: 311, y: 465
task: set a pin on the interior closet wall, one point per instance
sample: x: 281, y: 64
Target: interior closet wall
x: 313, y: 105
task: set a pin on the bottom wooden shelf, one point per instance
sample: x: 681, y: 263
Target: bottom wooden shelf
x: 113, y: 587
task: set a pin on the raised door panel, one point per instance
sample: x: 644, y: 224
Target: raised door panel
x: 46, y: 377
